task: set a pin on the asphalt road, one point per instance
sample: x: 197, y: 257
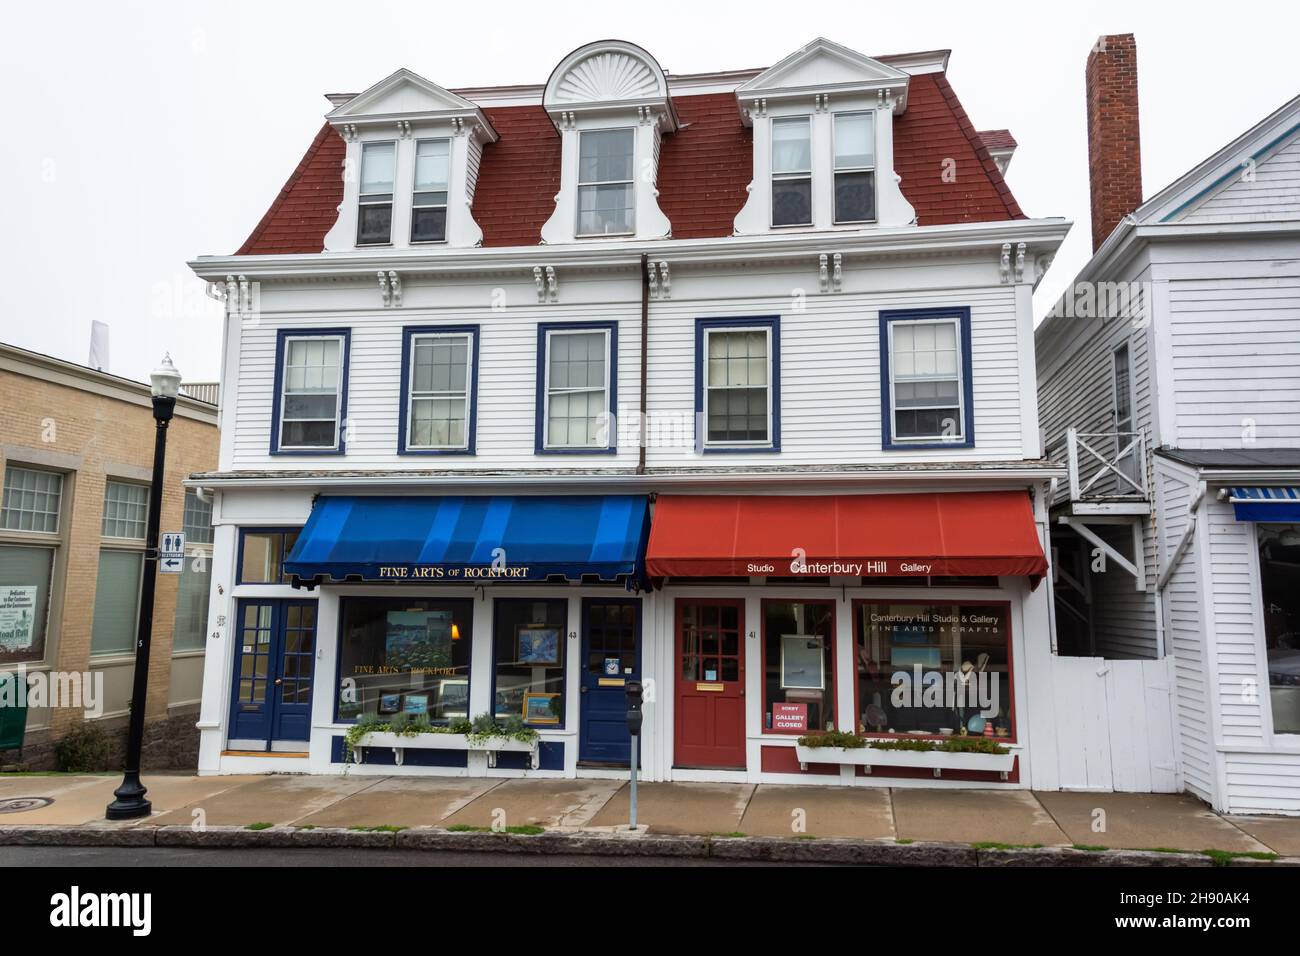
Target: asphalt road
x: 19, y: 856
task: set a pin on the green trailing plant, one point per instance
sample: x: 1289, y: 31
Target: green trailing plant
x: 85, y: 749
x: 953, y: 745
x: 832, y: 738
x: 485, y: 728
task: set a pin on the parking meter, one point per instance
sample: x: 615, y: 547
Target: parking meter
x: 633, y: 691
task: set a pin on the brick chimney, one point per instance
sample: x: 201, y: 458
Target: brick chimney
x: 1114, y: 146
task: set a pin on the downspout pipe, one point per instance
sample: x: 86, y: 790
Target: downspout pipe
x: 645, y: 360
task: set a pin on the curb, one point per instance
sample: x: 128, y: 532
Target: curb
x: 733, y: 849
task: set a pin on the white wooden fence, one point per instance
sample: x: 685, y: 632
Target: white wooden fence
x: 1114, y: 725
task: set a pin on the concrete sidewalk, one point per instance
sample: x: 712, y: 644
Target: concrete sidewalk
x: 993, y: 819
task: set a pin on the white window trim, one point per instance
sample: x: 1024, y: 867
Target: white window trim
x: 361, y: 193
x: 787, y: 176
x: 704, y: 374
x: 577, y: 211
x: 546, y: 391
x: 961, y: 387
x: 836, y: 170
x: 338, y: 394
x: 445, y: 205
x: 411, y: 393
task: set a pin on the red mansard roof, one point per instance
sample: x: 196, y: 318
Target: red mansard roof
x: 703, y: 171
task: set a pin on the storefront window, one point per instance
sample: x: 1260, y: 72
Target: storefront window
x: 262, y: 554
x: 1279, y: 572
x: 933, y: 668
x: 190, y: 633
x: 24, y: 601
x: 528, y: 649
x: 798, y: 666
x: 404, y: 656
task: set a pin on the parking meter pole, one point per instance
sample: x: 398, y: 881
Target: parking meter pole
x: 632, y: 822
x: 633, y: 691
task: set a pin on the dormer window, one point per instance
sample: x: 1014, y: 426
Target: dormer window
x: 375, y: 204
x: 429, y: 200
x: 606, y: 202
x: 792, y: 171
x: 855, y: 167
x: 823, y: 121
x: 609, y: 101
x: 411, y: 166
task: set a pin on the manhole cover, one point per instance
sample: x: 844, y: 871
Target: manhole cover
x: 19, y: 804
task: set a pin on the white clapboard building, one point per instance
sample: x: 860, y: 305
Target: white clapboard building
x: 720, y: 383
x: 1169, y: 381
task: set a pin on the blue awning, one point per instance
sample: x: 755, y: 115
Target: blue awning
x: 423, y: 540
x: 1266, y: 504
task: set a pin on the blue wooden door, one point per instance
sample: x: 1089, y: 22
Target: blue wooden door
x: 274, y: 664
x: 611, y: 656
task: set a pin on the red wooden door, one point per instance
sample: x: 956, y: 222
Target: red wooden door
x: 710, y: 714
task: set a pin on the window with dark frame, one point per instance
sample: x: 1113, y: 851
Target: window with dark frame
x: 429, y: 197
x: 311, y: 392
x: 926, y: 383
x: 439, y: 384
x: 606, y: 194
x: 577, y: 373
x: 792, y: 171
x: 375, y: 205
x: 738, y: 386
x: 855, y: 167
x: 262, y: 554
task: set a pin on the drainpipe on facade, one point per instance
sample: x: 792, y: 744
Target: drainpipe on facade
x: 645, y: 359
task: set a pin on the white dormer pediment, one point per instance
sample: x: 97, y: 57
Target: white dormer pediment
x: 427, y: 201
x: 404, y: 95
x: 823, y: 67
x: 835, y: 109
x: 615, y: 94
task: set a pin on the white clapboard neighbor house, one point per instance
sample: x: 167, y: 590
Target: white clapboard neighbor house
x: 1169, y: 381
x: 721, y: 383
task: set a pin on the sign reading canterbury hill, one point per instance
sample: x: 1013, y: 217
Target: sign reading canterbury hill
x: 17, y: 617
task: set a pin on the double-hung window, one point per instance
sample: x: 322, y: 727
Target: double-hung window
x: 737, y: 395
x: 429, y: 197
x: 926, y: 378
x: 606, y: 196
x: 312, y: 392
x: 375, y: 211
x: 577, y: 379
x: 438, y: 414
x: 121, y: 564
x: 31, y: 535
x: 855, y: 167
x: 791, y: 171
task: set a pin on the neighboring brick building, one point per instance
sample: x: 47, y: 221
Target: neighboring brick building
x: 76, y: 449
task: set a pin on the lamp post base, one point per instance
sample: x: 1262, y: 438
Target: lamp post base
x: 130, y: 802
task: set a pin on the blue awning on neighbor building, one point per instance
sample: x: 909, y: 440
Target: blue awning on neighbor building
x: 1266, y: 504
x: 422, y: 540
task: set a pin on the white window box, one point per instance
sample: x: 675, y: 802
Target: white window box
x: 400, y: 743
x: 937, y: 760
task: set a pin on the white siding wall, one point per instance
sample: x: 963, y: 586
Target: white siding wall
x: 1185, y: 640
x: 830, y: 365
x: 1273, y: 194
x: 1235, y: 343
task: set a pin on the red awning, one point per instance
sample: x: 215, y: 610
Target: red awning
x: 978, y: 533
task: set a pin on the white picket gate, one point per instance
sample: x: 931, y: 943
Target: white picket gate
x: 1114, y: 726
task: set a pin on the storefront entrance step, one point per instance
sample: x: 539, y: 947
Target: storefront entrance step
x: 697, y: 808
x: 1011, y: 817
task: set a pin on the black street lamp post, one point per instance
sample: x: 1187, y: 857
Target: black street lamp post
x: 165, y: 383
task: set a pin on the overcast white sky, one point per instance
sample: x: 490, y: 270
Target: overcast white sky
x: 141, y: 134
